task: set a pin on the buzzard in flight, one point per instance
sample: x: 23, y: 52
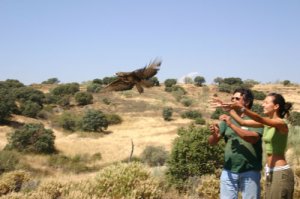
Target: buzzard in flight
x: 139, y: 78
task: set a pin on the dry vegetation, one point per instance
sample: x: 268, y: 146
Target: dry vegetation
x: 142, y: 123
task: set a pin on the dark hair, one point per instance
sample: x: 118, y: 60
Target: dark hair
x: 247, y: 96
x: 284, y: 107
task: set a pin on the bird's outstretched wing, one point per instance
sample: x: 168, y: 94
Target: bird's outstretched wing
x: 148, y: 71
x: 118, y: 85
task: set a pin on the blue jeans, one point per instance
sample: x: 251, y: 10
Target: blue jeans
x: 248, y: 183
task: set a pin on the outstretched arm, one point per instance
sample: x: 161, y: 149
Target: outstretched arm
x: 250, y: 123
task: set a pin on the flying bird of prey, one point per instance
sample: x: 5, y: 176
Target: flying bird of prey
x: 139, y: 78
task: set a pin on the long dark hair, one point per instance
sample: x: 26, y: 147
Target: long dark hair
x: 284, y: 107
x: 247, y: 96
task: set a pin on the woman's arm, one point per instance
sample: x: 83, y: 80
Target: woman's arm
x: 277, y: 122
x: 250, y: 123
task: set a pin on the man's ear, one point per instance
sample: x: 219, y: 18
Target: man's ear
x: 276, y: 106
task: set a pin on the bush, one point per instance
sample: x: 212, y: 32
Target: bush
x: 53, y: 80
x: 295, y: 118
x: 94, y: 120
x: 75, y: 164
x: 199, y: 80
x: 9, y: 161
x: 64, y: 101
x: 191, y: 155
x: 127, y: 181
x: 154, y: 156
x: 200, y: 121
x: 186, y: 101
x: 66, y: 89
x: 25, y: 94
x: 258, y: 109
x: 167, y: 113
x: 216, y: 114
x: 106, y: 101
x: 170, y: 82
x: 7, y: 104
x: 68, y: 121
x: 93, y: 88
x: 191, y: 114
x: 30, y: 109
x: 32, y: 138
x: 258, y: 95
x: 113, y: 119
x: 286, y: 82
x: 83, y: 98
x: 155, y: 81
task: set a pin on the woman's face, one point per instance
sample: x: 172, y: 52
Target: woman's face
x: 269, y: 106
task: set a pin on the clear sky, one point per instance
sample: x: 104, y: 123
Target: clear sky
x: 80, y: 40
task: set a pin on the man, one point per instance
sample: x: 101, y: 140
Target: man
x: 243, y: 153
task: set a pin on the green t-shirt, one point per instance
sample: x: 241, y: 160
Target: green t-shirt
x: 240, y: 155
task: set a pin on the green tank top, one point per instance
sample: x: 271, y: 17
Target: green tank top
x: 275, y: 142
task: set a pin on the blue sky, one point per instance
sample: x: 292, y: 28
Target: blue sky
x: 80, y: 40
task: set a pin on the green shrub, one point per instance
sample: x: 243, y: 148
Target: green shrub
x: 64, y: 101
x: 53, y: 80
x: 186, y: 101
x: 106, y: 101
x: 25, y: 94
x: 216, y: 114
x: 155, y: 81
x: 170, y: 82
x: 83, y: 98
x: 68, y: 121
x: 93, y: 88
x: 94, y: 121
x: 167, y: 113
x: 108, y: 80
x: 154, y: 156
x: 258, y: 109
x: 199, y: 80
x: 30, y: 109
x: 258, y: 95
x: 9, y: 160
x: 192, y: 114
x: 65, y: 89
x: 233, y: 80
x: 113, y: 119
x: 295, y: 118
x: 32, y: 138
x: 7, y: 104
x: 75, y: 164
x: 127, y: 181
x: 191, y: 155
x: 286, y: 82
x: 200, y: 121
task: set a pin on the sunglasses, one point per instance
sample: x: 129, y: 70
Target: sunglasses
x: 235, y: 98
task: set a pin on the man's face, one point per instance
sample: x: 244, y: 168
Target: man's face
x: 237, y: 97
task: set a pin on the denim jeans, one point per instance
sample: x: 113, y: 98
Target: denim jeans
x: 248, y: 183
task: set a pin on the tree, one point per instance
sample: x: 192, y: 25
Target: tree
x: 94, y: 120
x: 167, y: 113
x: 7, y: 104
x: 66, y: 89
x: 191, y: 155
x: 32, y: 138
x: 199, y: 80
x: 53, y: 80
x: 170, y: 82
x: 218, y: 80
x: 233, y: 80
x: 286, y: 82
x: 83, y: 98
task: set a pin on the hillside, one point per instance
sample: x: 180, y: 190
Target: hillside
x: 142, y: 121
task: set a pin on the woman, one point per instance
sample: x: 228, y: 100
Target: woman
x: 279, y: 175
